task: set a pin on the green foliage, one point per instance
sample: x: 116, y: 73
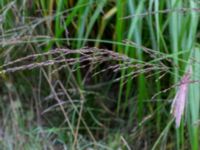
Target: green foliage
x: 86, y: 104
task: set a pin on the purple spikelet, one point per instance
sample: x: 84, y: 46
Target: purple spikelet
x: 178, y: 105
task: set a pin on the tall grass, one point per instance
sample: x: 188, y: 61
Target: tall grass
x: 59, y: 92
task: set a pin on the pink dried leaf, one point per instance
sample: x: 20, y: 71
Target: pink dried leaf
x: 178, y: 105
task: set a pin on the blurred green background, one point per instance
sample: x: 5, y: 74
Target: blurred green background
x: 114, y: 96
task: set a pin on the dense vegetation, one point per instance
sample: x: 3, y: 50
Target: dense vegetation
x: 98, y: 74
